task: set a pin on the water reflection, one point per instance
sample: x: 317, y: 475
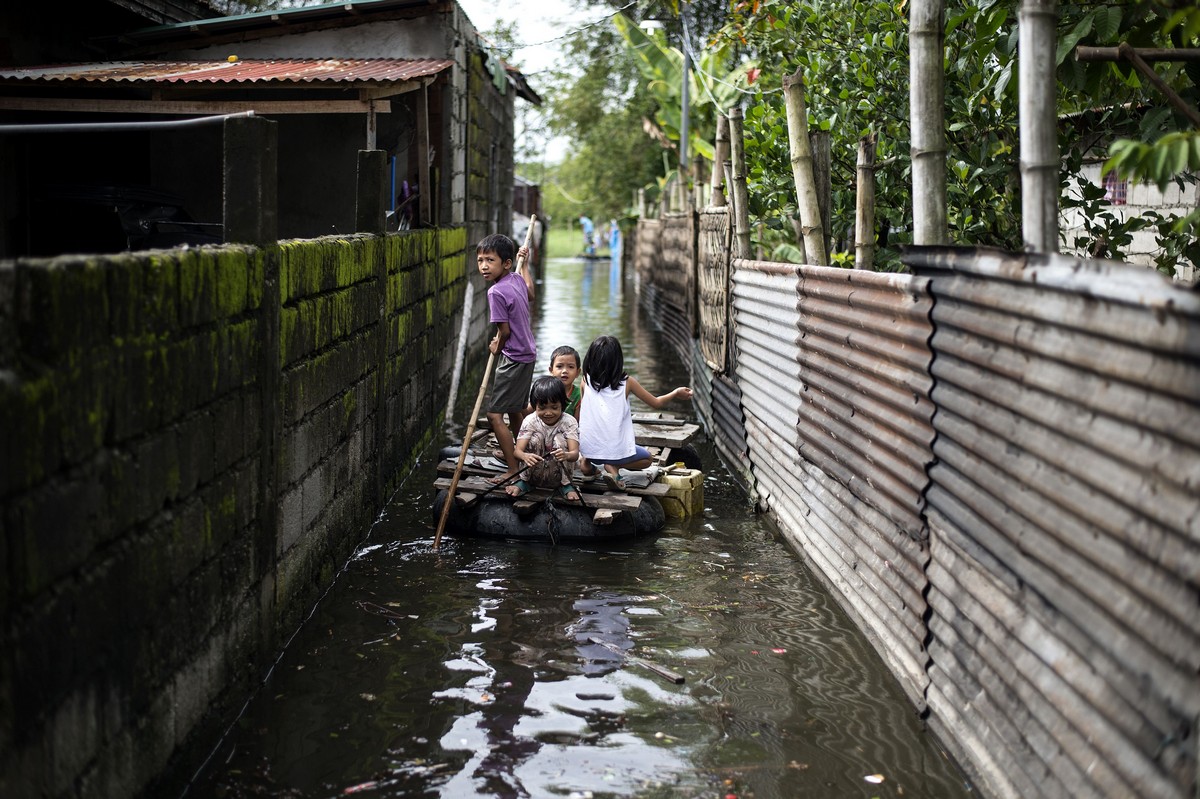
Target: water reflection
x: 469, y: 671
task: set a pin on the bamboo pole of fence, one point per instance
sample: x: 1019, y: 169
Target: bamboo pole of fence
x: 864, y: 207
x: 1037, y: 23
x: 802, y: 170
x: 928, y: 121
x: 720, y: 156
x: 819, y: 141
x: 741, y: 194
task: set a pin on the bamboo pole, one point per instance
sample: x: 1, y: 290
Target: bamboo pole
x: 928, y: 121
x: 741, y: 194
x: 1039, y: 134
x: 819, y: 141
x: 802, y: 170
x: 720, y: 156
x: 487, y: 373
x: 864, y: 209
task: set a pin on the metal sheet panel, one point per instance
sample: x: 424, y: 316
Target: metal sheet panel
x: 1064, y: 517
x: 253, y: 70
x: 865, y: 365
x: 675, y: 279
x: 805, y: 417
x: 713, y: 258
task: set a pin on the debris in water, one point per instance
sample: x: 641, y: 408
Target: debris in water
x: 362, y: 786
x: 368, y: 697
x: 874, y: 779
x: 778, y: 650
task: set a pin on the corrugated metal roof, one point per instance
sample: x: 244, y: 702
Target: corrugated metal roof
x: 291, y: 70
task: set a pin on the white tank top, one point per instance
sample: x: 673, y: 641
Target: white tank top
x: 606, y: 424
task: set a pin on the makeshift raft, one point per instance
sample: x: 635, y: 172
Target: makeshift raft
x: 480, y: 509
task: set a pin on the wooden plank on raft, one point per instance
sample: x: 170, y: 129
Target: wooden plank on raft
x: 475, y: 479
x: 658, y: 418
x: 604, y: 516
x: 657, y: 436
x: 613, y: 500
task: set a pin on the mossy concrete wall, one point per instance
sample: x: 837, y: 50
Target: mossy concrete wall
x: 193, y: 443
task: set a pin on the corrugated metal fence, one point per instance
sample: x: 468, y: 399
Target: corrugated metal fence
x: 833, y: 368
x: 1064, y: 517
x: 994, y: 464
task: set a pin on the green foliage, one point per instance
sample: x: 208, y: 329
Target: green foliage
x: 598, y: 102
x: 853, y: 56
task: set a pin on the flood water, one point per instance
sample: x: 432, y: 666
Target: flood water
x: 468, y: 671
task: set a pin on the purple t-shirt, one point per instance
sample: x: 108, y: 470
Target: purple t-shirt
x: 508, y: 301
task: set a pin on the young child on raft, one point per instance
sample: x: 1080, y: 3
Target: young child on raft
x: 509, y: 295
x: 564, y: 364
x: 548, y: 443
x: 605, y: 416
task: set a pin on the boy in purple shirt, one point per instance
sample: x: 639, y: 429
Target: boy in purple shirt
x: 509, y: 294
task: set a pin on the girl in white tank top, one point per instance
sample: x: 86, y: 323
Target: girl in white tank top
x: 605, y: 416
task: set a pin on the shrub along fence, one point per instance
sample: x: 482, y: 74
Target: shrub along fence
x: 994, y: 464
x: 194, y: 443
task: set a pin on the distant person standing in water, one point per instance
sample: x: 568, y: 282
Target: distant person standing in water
x: 589, y: 235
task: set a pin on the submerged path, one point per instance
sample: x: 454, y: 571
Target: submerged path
x: 468, y: 671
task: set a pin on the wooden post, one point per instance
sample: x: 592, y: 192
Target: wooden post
x: 698, y: 181
x: 370, y: 207
x: 823, y: 176
x: 425, y: 193
x: 720, y: 156
x: 643, y: 206
x: 250, y: 208
x: 926, y: 95
x: 741, y: 194
x: 1039, y: 133
x: 864, y: 212
x: 802, y: 170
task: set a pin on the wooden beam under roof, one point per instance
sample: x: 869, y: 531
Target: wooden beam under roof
x: 265, y: 107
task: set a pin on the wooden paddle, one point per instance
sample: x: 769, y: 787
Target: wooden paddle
x: 487, y: 373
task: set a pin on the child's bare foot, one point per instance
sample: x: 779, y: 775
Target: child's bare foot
x: 503, y: 478
x: 517, y: 489
x: 569, y: 493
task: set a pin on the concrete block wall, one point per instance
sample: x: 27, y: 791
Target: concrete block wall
x: 1140, y: 198
x: 193, y: 442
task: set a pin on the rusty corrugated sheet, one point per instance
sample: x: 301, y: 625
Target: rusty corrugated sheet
x: 809, y: 344
x: 1064, y: 518
x: 713, y: 256
x: 293, y: 70
x: 864, y: 363
x: 676, y: 282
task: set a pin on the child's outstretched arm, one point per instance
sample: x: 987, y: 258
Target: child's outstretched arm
x: 632, y: 386
x: 523, y: 269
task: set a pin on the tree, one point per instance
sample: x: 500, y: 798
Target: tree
x: 854, y: 56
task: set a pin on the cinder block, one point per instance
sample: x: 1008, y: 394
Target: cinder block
x: 290, y: 519
x: 228, y: 431
x: 198, y: 683
x: 197, y: 287
x: 195, y: 442
x: 74, y: 736
x: 317, y: 493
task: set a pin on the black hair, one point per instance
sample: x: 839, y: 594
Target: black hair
x: 604, y: 364
x: 565, y: 350
x: 547, y: 389
x: 498, y: 243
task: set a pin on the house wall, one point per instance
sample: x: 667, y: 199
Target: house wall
x: 430, y: 36
x: 194, y: 443
x: 993, y: 465
x: 1140, y: 198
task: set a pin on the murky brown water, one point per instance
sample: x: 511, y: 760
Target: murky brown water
x: 468, y: 671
